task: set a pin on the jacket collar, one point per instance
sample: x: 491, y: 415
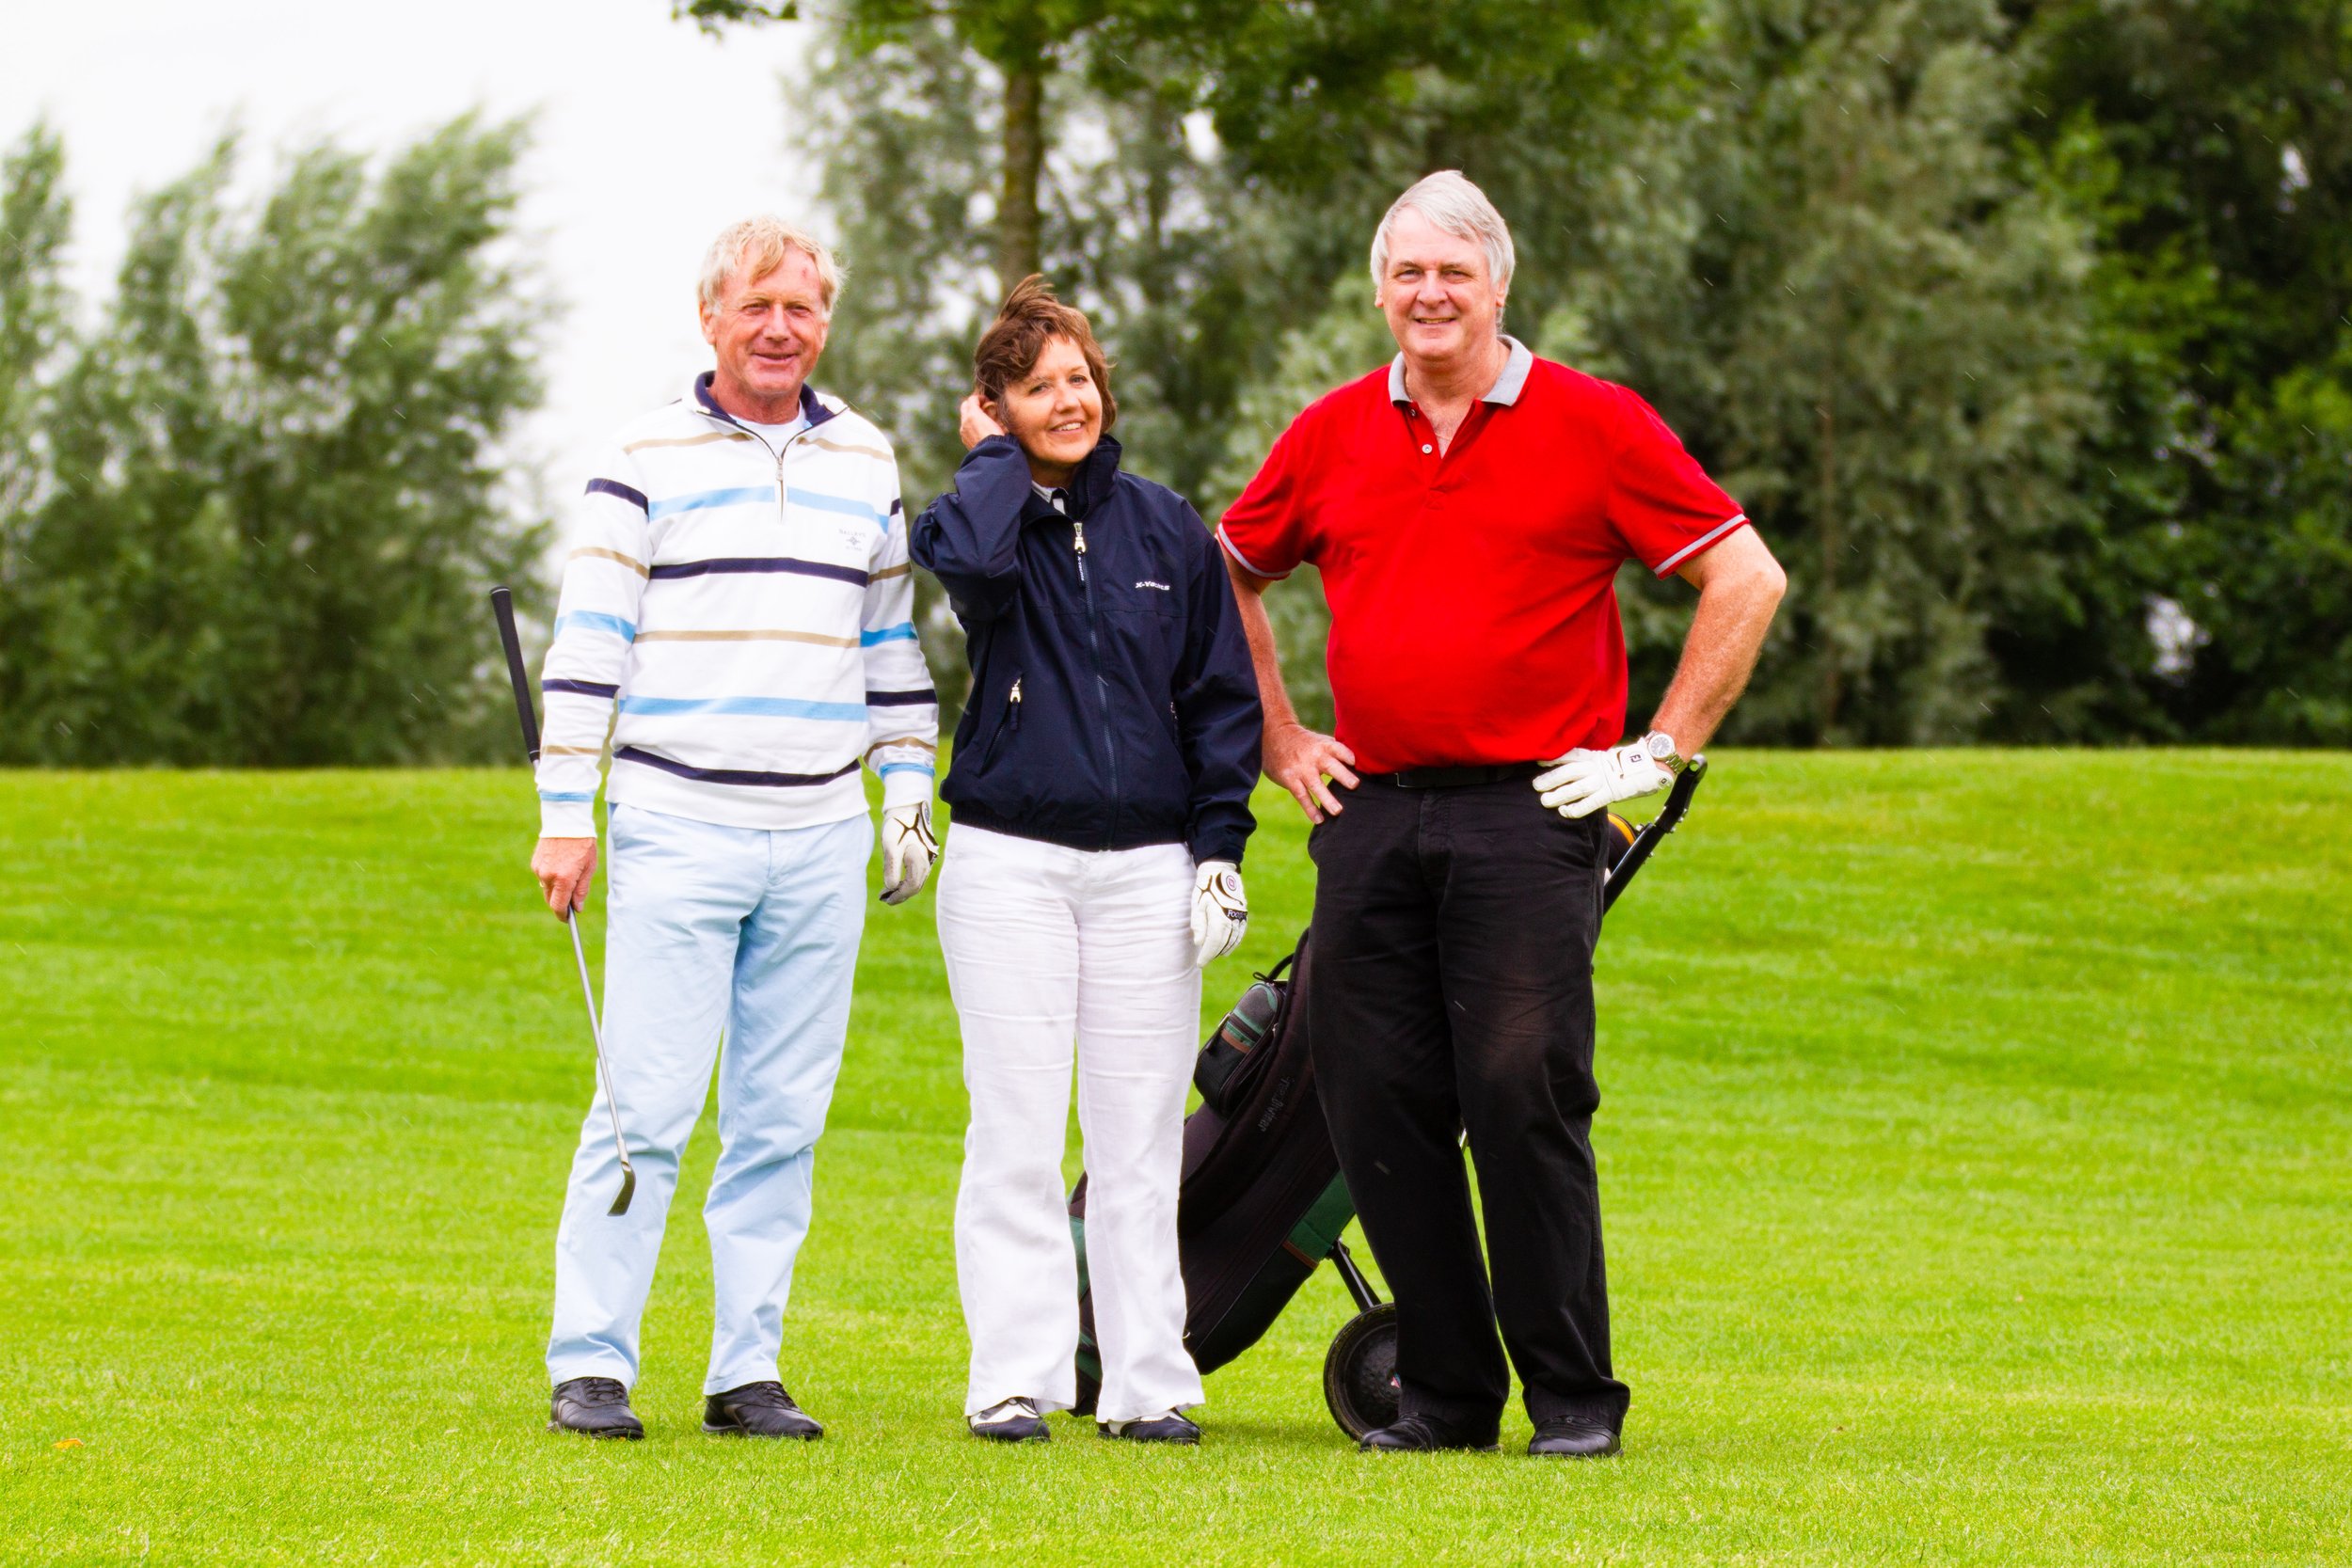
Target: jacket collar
x: 1090, y: 485
x: 813, y: 411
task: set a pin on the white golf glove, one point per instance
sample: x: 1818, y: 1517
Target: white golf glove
x: 1220, y: 912
x: 908, y: 849
x: 1582, y: 782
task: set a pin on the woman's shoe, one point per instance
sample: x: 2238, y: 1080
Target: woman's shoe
x: 1012, y: 1422
x: 1167, y: 1427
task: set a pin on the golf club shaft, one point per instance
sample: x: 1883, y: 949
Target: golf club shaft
x: 502, y: 607
x: 596, y: 1028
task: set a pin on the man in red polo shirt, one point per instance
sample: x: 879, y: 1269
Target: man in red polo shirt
x: 1469, y: 508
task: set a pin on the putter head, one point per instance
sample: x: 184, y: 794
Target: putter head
x: 629, y: 1190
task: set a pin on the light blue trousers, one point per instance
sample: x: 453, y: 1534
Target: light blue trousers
x: 711, y: 930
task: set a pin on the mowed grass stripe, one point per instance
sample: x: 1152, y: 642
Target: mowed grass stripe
x: 1976, y: 1147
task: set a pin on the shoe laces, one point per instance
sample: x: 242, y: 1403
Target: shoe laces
x: 1012, y: 1409
x: 599, y: 1391
x: 770, y: 1394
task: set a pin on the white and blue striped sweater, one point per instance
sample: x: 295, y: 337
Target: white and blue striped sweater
x: 749, y: 615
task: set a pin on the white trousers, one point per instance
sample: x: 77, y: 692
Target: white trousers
x: 1048, y: 948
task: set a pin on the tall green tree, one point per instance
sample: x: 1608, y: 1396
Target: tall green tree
x: 1143, y: 230
x: 281, y: 473
x: 1024, y: 41
x: 1306, y: 94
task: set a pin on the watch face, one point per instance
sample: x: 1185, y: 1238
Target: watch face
x: 1661, y: 746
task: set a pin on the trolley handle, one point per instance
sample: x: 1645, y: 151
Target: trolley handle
x: 1646, y: 838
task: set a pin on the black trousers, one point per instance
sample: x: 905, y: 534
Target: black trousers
x: 1452, y: 992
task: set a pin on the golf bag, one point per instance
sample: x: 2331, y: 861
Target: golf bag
x: 1262, y: 1201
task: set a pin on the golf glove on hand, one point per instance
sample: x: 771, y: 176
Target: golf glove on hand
x: 1220, y: 912
x: 1582, y: 782
x: 908, y: 850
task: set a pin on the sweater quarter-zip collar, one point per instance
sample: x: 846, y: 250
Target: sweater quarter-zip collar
x: 812, y: 408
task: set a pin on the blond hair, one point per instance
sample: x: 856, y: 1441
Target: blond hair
x: 761, y: 243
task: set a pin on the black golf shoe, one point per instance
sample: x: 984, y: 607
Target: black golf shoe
x: 1010, y: 1421
x: 593, y: 1407
x: 1169, y: 1428
x: 758, y: 1410
x: 1573, y: 1437
x: 1425, y: 1434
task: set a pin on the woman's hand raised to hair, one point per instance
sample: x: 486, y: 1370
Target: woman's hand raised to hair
x: 977, y: 425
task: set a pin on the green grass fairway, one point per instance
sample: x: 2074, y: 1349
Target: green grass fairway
x: 1977, y: 1154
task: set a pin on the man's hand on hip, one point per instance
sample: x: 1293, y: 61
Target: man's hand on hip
x: 908, y: 849
x: 1220, y: 911
x: 1308, y: 763
x: 1582, y: 782
x: 564, y: 868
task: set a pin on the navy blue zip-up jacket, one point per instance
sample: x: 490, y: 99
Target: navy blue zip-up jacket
x: 1113, y: 702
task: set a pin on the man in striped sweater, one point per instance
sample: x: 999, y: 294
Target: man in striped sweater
x: 737, y: 608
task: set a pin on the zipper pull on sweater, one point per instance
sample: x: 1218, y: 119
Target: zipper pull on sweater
x: 1078, y: 542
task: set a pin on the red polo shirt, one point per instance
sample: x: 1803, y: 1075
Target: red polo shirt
x: 1473, y: 616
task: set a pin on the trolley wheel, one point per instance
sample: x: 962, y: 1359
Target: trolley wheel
x: 1360, y: 1371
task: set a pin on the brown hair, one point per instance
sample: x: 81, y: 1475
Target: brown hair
x: 1029, y: 319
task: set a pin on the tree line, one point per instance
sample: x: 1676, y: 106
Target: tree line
x: 248, y: 515
x: 2020, y: 326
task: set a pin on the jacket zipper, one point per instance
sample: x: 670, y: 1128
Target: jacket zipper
x: 1015, y: 700
x: 1102, y: 683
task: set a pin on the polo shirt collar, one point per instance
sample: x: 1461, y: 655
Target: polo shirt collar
x: 1507, y: 386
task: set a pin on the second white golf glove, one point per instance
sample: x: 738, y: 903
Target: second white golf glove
x: 1582, y: 782
x: 908, y: 849
x: 1220, y: 912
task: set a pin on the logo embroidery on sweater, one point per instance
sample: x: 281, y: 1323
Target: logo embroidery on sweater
x: 1146, y: 582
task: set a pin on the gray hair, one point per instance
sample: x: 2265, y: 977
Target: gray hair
x: 761, y: 243
x: 1460, y: 208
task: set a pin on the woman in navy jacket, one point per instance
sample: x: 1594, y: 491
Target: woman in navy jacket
x: 1101, y: 783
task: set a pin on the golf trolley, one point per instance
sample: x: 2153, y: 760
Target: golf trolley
x: 1262, y: 1201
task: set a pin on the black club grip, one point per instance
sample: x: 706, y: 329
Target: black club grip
x: 502, y: 605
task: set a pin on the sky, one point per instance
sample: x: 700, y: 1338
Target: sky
x: 650, y: 137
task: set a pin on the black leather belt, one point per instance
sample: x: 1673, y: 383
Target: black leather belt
x: 1454, y: 778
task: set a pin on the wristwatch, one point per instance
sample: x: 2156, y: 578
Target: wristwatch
x: 1660, y: 747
